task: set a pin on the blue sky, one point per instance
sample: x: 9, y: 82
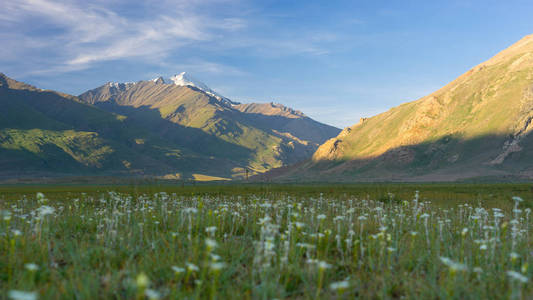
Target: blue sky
x: 336, y: 61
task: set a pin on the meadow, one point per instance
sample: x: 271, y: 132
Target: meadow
x: 227, y: 241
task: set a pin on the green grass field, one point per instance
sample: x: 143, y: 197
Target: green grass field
x: 227, y: 241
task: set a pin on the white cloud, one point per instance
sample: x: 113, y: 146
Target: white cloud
x: 80, y: 34
x: 59, y: 36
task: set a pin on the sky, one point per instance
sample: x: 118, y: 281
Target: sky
x: 336, y: 61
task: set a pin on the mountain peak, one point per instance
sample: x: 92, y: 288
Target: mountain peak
x: 158, y: 80
x: 184, y: 79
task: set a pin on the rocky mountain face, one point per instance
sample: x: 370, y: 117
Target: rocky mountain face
x: 173, y: 128
x: 476, y: 126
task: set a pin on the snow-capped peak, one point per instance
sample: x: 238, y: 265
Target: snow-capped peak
x: 158, y: 80
x: 120, y: 85
x: 184, y: 79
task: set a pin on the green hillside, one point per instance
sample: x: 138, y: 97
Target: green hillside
x: 257, y: 140
x: 150, y: 130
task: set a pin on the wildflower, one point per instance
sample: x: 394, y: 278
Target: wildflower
x: 321, y: 217
x: 6, y: 215
x: 31, y: 267
x: 192, y: 267
x: 217, y: 266
x: 45, y: 210
x: 483, y: 247
x: 413, y: 233
x: 299, y: 225
x: 264, y: 220
x: 514, y: 256
x: 322, y: 265
x: 517, y: 276
x: 339, y: 286
x: 464, y: 231
x: 305, y: 245
x: 211, y: 244
x: 41, y: 198
x: 454, y: 266
x: 524, y: 268
x: 190, y: 210
x: 177, y: 270
x: 211, y: 229
x: 152, y: 294
x: 214, y: 257
x: 22, y: 295
x: 338, y: 218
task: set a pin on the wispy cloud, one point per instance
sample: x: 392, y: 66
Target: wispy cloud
x: 80, y: 34
x: 58, y: 36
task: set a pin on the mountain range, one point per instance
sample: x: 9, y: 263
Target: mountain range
x: 477, y: 126
x: 171, y: 128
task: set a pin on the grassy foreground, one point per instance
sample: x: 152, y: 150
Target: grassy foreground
x: 265, y: 242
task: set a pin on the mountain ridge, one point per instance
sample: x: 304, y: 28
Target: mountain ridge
x: 145, y: 128
x: 278, y: 135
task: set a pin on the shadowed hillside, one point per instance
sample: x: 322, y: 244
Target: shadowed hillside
x: 271, y: 135
x: 152, y: 129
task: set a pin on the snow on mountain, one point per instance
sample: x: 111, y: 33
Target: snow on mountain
x: 184, y: 79
x: 121, y: 85
x: 181, y: 79
x: 158, y: 80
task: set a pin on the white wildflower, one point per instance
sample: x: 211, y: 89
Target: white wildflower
x: 177, y: 270
x: 339, y: 286
x: 454, y: 266
x: 322, y: 265
x: 45, y: 210
x: 31, y: 267
x: 217, y: 266
x: 210, y: 244
x: 517, y: 276
x: 192, y: 267
x: 211, y: 229
x: 152, y: 294
x: 22, y: 295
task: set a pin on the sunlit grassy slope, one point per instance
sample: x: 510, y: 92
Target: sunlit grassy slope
x: 479, y: 124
